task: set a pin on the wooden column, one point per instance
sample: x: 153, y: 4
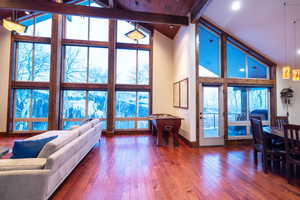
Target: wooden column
x: 225, y: 110
x: 273, y: 95
x: 55, y: 72
x: 223, y: 56
x: 111, y: 77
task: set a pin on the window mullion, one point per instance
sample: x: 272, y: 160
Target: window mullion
x: 32, y: 61
x: 86, y: 104
x: 88, y: 65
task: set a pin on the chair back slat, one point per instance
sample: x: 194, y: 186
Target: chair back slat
x: 258, y: 134
x: 292, y: 138
x: 281, y: 121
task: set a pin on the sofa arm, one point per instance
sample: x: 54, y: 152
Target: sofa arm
x: 23, y: 184
x: 22, y: 164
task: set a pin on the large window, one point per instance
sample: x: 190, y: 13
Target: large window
x: 31, y: 110
x: 86, y: 28
x: 209, y: 53
x: 244, y: 102
x: 33, y: 62
x: 133, y: 67
x: 38, y: 26
x: 242, y: 65
x: 83, y: 86
x: 132, y: 108
x: 79, y: 105
x: 86, y: 64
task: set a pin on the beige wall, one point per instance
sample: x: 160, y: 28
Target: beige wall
x: 185, y: 67
x: 295, y: 107
x: 162, y: 74
x: 4, y: 73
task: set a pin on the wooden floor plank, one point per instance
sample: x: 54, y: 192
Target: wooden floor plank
x: 132, y: 168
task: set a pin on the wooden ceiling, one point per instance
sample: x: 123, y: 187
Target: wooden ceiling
x: 171, y: 7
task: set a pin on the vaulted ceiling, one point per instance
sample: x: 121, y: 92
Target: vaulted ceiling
x: 261, y: 24
x: 171, y: 7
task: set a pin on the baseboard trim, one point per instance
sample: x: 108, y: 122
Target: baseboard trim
x: 189, y: 143
x: 126, y: 132
x: 238, y: 142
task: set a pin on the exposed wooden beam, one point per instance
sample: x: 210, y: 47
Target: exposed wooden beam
x: 112, y: 13
x: 198, y: 9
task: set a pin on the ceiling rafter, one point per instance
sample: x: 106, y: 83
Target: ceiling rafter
x: 113, y: 13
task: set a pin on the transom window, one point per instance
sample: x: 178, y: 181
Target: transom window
x: 31, y: 110
x: 86, y: 28
x: 38, y: 26
x: 86, y: 64
x: 242, y: 65
x: 209, y: 53
x: 33, y: 62
x: 132, y: 108
x: 79, y: 104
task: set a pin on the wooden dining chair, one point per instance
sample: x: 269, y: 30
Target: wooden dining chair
x: 292, y: 147
x: 280, y: 121
x: 261, y: 144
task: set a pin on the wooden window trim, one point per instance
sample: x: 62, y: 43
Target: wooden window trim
x: 57, y: 86
x: 226, y: 82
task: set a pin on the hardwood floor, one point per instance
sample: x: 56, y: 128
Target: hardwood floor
x: 132, y: 168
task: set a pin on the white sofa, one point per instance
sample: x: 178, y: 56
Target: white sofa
x: 38, y: 178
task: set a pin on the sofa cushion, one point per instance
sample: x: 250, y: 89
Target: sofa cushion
x: 63, y: 139
x: 84, y: 128
x: 85, y: 121
x: 29, y: 148
x: 95, y: 122
x: 22, y: 164
x: 53, y: 133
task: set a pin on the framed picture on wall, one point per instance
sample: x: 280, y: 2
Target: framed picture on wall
x: 184, y: 96
x: 176, y: 95
x: 181, y: 94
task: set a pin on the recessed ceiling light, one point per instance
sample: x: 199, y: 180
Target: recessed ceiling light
x: 27, y: 12
x: 236, y: 5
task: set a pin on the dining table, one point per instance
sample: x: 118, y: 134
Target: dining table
x: 274, y: 131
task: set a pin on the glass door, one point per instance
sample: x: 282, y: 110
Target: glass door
x: 211, y: 116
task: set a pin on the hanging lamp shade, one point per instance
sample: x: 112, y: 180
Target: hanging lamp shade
x: 135, y: 34
x: 296, y: 74
x: 13, y: 26
x: 286, y: 72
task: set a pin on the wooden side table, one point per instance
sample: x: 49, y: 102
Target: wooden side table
x: 3, y: 151
x: 165, y: 122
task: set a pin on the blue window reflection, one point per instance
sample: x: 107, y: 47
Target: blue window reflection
x: 236, y: 62
x: 209, y: 53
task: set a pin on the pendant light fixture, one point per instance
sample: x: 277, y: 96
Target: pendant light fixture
x: 135, y: 34
x: 286, y: 70
x: 11, y: 25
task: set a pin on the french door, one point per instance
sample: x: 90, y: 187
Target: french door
x: 211, y: 115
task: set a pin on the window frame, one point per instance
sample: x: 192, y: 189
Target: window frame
x: 134, y: 119
x: 220, y: 50
x: 247, y: 55
x: 16, y: 43
x: 56, y: 84
x: 86, y: 107
x: 29, y: 120
x: 64, y: 45
x: 227, y: 82
x: 247, y: 122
